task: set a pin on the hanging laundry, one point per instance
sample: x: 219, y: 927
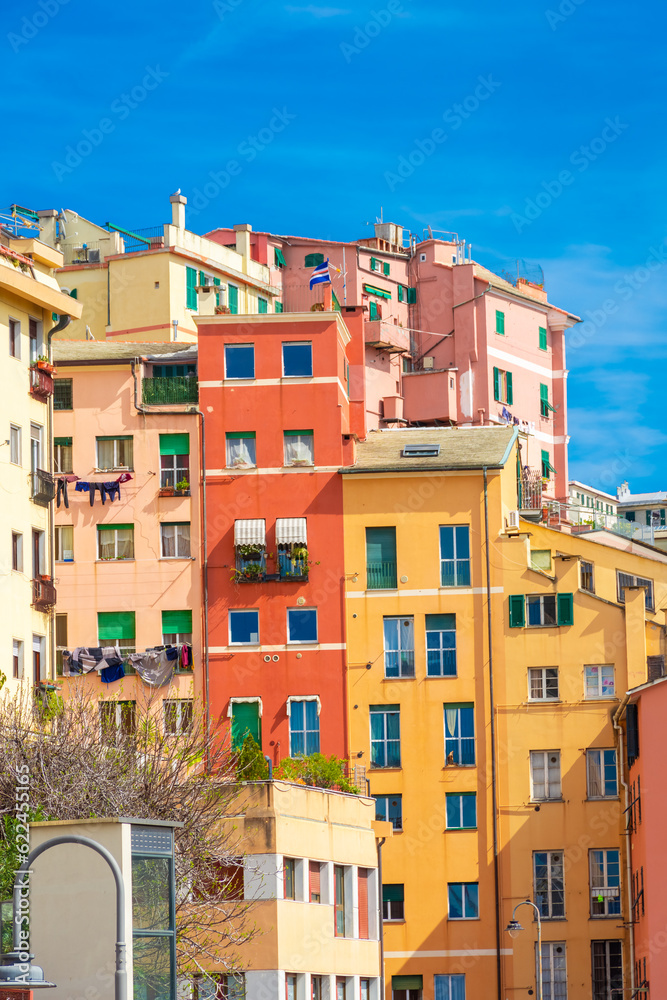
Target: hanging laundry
x: 62, y: 488
x: 82, y: 487
x: 87, y: 658
x: 111, y: 674
x: 111, y: 490
x: 153, y: 667
x: 124, y: 477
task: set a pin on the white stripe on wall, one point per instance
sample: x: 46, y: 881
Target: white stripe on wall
x: 521, y: 363
x: 444, y: 592
x: 464, y: 953
x: 294, y: 647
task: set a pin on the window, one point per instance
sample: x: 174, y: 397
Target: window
x: 460, y: 735
x: 554, y: 971
x: 601, y: 774
x: 378, y: 265
x: 115, y: 541
x: 14, y: 444
x: 17, y: 551
x: 278, y: 307
x: 314, y: 882
x: 14, y: 338
x: 543, y: 609
x: 389, y: 809
x: 262, y: 304
x: 298, y: 359
x: 454, y: 555
x: 547, y: 467
x: 463, y: 900
x: 545, y: 406
x: 114, y: 453
x: 289, y: 878
x: 461, y: 810
x: 441, y: 645
x: 656, y: 518
x: 450, y: 987
x: 339, y: 901
x: 365, y: 988
x: 299, y: 447
x: 62, y: 394
x: 399, y: 647
x: 116, y: 628
x: 543, y: 683
x: 393, y: 902
x: 626, y: 580
x: 118, y: 720
x: 36, y: 457
x: 385, y: 736
x: 605, y: 874
x: 586, y: 576
x: 374, y: 310
x: 545, y: 775
x: 174, y: 459
x: 246, y: 721
x: 175, y: 539
x: 240, y: 449
x: 540, y: 559
x: 62, y: 455
x: 290, y: 986
x: 17, y: 658
x: 607, y: 971
x: 38, y: 554
x: 38, y: 658
x: 177, y: 627
x: 244, y: 627
x: 503, y: 391
x: 381, y: 559
x: 316, y: 988
x: 406, y: 987
x: 191, y: 288
x: 177, y: 716
x: 500, y: 322
x: 313, y: 259
x: 278, y: 258
x: 239, y: 360
x: 549, y: 884
x: 64, y: 543
x: 304, y: 728
x: 302, y: 624
x: 542, y: 333
x: 599, y: 681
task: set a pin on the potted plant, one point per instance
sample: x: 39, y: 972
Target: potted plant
x: 222, y: 309
x: 166, y: 491
x: 44, y: 363
x: 182, y: 489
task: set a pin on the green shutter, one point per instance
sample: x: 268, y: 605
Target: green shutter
x: 393, y: 894
x: 510, y: 392
x: 112, y: 625
x: 543, y: 339
x: 400, y: 293
x: 647, y: 515
x: 190, y: 288
x: 380, y: 292
x: 547, y: 467
x: 278, y: 306
x: 544, y: 393
x: 407, y: 982
x: 174, y: 444
x: 74, y: 294
x: 517, y: 611
x: 500, y: 321
x: 662, y: 513
x: 279, y: 258
x: 385, y: 268
x: 238, y: 435
x: 373, y: 311
x: 295, y: 433
x: 114, y: 527
x: 202, y: 278
x: 216, y: 281
x: 233, y: 298
x: 496, y: 385
x: 245, y: 719
x: 262, y: 305
x: 373, y: 263
x: 412, y: 295
x: 62, y: 442
x: 565, y: 609
x: 177, y: 621
x: 313, y: 259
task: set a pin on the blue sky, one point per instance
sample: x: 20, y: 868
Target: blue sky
x: 554, y: 154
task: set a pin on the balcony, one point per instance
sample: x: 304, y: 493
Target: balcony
x: 293, y: 564
x: 530, y: 488
x: 381, y: 576
x: 386, y: 336
x: 43, y: 594
x: 42, y: 487
x: 41, y: 384
x: 168, y: 391
x: 250, y: 565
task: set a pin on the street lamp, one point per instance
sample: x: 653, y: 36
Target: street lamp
x: 514, y: 928
x: 20, y: 975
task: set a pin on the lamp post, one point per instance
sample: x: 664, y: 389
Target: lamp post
x: 19, y: 976
x: 514, y: 928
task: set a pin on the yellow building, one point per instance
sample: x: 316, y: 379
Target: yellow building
x: 495, y: 760
x: 29, y: 296
x: 311, y: 868
x: 150, y: 284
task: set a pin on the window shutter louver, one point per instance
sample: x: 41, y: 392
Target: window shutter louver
x: 174, y: 444
x: 177, y: 621
x: 400, y: 293
x: 517, y: 611
x: 112, y: 625
x: 496, y: 385
x: 543, y: 338
x: 314, y: 881
x: 510, y: 391
x: 190, y: 288
x: 565, y: 609
x: 385, y: 268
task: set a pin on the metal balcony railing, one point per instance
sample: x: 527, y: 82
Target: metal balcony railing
x: 290, y: 568
x: 42, y: 487
x: 43, y: 594
x: 529, y: 489
x: 41, y: 384
x: 381, y: 576
x: 176, y: 389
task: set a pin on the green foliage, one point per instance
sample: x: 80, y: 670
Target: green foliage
x: 316, y: 770
x: 250, y: 764
x: 10, y: 856
x: 247, y: 551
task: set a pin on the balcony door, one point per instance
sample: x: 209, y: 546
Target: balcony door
x: 37, y: 553
x: 35, y: 447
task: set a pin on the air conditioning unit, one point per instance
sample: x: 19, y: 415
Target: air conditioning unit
x: 513, y: 520
x: 428, y: 362
x: 94, y: 256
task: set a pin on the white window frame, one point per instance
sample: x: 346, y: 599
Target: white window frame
x: 184, y: 720
x: 550, y: 970
x: 302, y: 642
x: 19, y: 552
x: 303, y: 439
x: 539, y: 674
x: 106, y: 530
x: 249, y: 444
x: 604, y: 889
x: 390, y: 918
x: 541, y: 598
x: 14, y: 323
x: 600, y: 667
x: 58, y: 458
x: 236, y: 378
x: 591, y: 753
x: 178, y: 539
x: 59, y: 545
x: 15, y: 445
x: 554, y: 859
x: 231, y: 612
x: 296, y: 343
x: 116, y: 467
x: 18, y: 647
x: 541, y: 760
x: 118, y: 714
x: 410, y: 669
x: 36, y: 447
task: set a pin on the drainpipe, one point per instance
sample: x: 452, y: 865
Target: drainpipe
x: 628, y: 860
x: 63, y: 321
x: 380, y: 923
x: 494, y: 786
x: 270, y: 766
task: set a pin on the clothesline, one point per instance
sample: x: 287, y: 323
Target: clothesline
x: 109, y: 488
x: 155, y: 665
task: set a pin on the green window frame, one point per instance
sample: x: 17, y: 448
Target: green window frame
x: 191, y: 301
x: 517, y: 605
x: 543, y: 338
x: 313, y: 259
x: 373, y: 311
x: 503, y: 389
x: 564, y: 609
x: 262, y: 304
x: 62, y: 394
x: 500, y: 322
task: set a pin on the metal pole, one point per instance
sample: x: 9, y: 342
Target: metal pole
x: 528, y: 902
x: 121, y: 963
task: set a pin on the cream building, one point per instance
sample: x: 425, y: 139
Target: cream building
x: 32, y: 308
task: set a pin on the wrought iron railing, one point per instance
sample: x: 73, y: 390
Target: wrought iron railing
x: 42, y: 487
x: 529, y: 489
x: 381, y: 575
x: 174, y: 389
x: 43, y: 594
x: 41, y: 384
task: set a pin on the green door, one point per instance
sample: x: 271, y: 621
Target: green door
x: 245, y: 719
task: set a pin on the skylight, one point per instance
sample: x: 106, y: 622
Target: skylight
x: 421, y: 451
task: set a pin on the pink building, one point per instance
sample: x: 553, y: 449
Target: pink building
x: 447, y: 341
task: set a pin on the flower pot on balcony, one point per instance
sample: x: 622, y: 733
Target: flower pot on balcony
x: 45, y: 366
x: 166, y: 491
x: 181, y: 493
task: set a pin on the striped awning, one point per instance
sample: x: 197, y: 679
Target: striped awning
x: 291, y: 531
x: 250, y: 532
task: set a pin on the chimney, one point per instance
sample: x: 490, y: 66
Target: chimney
x: 178, y: 203
x: 243, y: 232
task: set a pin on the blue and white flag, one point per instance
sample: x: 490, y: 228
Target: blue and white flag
x: 320, y: 274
